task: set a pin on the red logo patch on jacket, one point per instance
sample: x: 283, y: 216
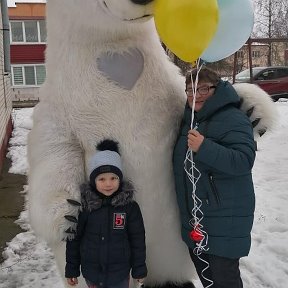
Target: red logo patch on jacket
x: 119, y: 220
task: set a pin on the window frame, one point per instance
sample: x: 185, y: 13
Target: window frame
x: 256, y: 54
x: 282, y: 75
x: 271, y: 71
x: 24, y: 32
x: 240, y: 54
x: 22, y: 66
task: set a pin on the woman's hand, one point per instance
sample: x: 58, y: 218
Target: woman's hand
x: 195, y: 140
x: 72, y: 281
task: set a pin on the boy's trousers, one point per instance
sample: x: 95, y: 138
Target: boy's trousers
x: 122, y: 284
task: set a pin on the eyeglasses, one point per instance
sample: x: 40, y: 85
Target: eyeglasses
x: 201, y: 90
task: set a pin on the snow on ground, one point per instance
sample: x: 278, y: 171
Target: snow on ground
x: 29, y: 263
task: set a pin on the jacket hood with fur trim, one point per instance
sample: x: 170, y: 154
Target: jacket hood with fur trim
x: 91, y: 200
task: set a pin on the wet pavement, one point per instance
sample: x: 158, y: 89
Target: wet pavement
x: 11, y: 204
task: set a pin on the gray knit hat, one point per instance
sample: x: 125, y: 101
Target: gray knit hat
x: 107, y: 160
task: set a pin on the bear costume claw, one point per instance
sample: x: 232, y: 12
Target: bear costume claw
x: 71, y: 218
x: 70, y: 231
x: 73, y: 202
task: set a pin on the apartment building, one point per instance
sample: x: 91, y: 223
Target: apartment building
x: 28, y: 43
x: 5, y: 88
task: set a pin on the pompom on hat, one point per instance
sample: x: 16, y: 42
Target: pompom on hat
x: 106, y: 160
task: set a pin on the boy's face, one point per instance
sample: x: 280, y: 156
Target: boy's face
x: 107, y: 183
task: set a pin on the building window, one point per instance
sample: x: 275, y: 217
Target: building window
x: 255, y: 54
x: 17, y: 76
x: 43, y: 32
x: 30, y: 31
x: 240, y: 54
x: 28, y: 75
x: 17, y: 32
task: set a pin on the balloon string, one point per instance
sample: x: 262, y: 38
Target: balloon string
x: 191, y: 171
x: 211, y: 282
x: 194, y: 88
x: 189, y: 154
x: 194, y: 175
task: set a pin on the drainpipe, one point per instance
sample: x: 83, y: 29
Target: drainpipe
x: 6, y: 36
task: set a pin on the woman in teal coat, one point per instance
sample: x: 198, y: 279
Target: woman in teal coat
x: 223, y: 151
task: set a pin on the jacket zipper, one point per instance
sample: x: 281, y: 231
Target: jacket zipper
x: 214, y: 189
x: 107, y: 243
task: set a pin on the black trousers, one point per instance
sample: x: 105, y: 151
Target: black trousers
x: 224, y: 272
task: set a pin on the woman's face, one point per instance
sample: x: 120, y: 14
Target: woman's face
x: 203, y: 92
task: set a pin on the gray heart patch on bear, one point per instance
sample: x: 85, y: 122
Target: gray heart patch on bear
x: 122, y: 68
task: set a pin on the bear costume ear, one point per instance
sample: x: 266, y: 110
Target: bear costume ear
x: 108, y: 144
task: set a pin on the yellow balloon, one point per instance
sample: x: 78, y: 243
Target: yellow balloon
x: 186, y: 26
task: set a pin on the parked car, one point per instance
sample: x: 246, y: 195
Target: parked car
x: 273, y: 80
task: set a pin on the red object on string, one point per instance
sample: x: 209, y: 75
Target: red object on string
x: 196, y: 236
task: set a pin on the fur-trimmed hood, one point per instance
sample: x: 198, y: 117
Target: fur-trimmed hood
x: 91, y: 200
x: 258, y: 106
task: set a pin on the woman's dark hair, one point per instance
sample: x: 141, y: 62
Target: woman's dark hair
x: 204, y: 75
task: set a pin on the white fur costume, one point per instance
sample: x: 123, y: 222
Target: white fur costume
x: 81, y: 104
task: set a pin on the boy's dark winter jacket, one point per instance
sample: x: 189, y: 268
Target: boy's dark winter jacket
x: 225, y: 160
x: 110, y: 239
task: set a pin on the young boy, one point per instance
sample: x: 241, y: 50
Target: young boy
x: 110, y: 237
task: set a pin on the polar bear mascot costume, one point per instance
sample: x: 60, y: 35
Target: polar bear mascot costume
x: 108, y: 77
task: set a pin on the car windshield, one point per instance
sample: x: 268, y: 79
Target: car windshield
x: 245, y: 75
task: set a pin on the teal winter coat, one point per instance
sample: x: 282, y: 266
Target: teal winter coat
x: 225, y: 160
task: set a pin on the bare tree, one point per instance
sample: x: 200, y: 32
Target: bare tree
x: 271, y: 17
x: 184, y: 66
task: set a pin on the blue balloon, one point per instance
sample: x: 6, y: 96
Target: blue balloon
x: 236, y: 20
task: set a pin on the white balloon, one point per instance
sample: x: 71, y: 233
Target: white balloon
x: 236, y: 20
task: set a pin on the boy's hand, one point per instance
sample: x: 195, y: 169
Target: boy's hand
x: 72, y: 281
x: 139, y: 283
